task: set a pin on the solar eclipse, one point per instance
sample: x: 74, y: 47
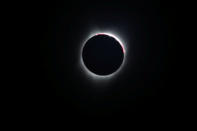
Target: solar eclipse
x: 102, y: 55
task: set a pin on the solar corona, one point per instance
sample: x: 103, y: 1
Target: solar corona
x: 102, y: 55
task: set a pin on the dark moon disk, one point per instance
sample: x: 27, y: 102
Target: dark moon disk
x: 102, y: 54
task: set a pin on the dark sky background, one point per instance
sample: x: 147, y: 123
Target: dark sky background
x: 145, y: 87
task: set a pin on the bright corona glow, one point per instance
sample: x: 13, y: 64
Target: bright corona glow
x: 102, y: 77
x: 111, y: 35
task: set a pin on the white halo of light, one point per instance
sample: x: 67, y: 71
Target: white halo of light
x: 103, y: 77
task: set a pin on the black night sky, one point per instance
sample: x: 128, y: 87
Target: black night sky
x: 145, y: 86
